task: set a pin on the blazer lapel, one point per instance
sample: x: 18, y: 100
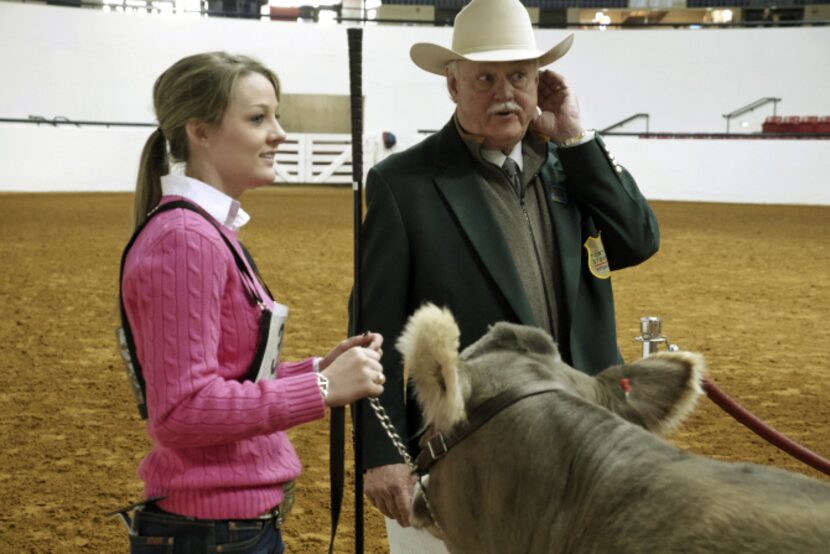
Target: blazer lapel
x: 458, y: 184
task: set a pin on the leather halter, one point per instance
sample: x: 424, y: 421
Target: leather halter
x: 438, y: 445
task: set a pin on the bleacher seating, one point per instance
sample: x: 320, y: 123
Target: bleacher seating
x: 789, y: 124
x: 807, y: 124
x: 543, y: 4
x: 772, y: 124
x: 452, y: 4
x: 794, y: 124
x: 284, y: 13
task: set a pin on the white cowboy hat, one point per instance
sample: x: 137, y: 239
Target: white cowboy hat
x: 488, y: 31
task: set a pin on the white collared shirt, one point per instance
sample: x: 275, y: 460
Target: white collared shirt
x: 219, y: 205
x: 497, y: 157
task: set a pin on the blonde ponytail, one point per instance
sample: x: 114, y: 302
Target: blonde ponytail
x: 153, y: 166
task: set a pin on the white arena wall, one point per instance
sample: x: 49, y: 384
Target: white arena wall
x: 91, y: 65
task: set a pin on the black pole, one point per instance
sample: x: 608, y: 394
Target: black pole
x: 355, y: 36
x: 337, y: 439
x: 336, y: 471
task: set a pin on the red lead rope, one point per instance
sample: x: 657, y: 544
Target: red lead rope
x: 754, y: 424
x: 751, y: 421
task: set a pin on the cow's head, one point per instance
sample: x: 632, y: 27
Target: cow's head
x: 662, y: 389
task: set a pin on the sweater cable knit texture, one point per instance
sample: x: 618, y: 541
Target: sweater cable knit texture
x: 220, y: 450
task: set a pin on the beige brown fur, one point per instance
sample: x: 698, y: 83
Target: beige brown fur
x: 581, y: 470
x: 430, y: 342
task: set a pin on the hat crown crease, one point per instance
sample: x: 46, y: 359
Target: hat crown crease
x: 489, y: 31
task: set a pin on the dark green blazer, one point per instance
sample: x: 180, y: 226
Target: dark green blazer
x: 429, y: 236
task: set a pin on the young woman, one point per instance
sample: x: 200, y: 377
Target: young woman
x: 203, y: 329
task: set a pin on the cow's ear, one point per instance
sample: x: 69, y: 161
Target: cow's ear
x: 661, y: 389
x: 429, y: 346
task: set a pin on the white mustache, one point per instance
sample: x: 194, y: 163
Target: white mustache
x: 508, y: 106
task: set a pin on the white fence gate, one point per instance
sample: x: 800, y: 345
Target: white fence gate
x: 315, y: 159
x: 326, y: 159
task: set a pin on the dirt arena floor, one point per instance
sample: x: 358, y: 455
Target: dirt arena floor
x: 748, y: 286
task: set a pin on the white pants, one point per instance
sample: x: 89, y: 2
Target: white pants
x: 407, y: 540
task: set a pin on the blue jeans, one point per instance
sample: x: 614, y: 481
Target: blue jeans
x: 159, y: 531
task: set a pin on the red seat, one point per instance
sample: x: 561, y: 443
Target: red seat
x: 772, y: 124
x: 789, y: 124
x: 807, y: 124
x: 823, y: 124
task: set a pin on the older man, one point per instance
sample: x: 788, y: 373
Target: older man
x: 512, y: 212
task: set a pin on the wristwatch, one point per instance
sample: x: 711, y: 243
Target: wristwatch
x: 573, y: 141
x: 323, y: 383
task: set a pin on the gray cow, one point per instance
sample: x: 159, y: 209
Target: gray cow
x: 577, y: 470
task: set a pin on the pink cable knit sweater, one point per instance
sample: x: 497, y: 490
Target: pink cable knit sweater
x: 220, y: 450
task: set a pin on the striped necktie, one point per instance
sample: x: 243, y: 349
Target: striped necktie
x: 514, y: 174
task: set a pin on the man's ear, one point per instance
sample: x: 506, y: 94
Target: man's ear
x: 198, y: 132
x: 452, y: 84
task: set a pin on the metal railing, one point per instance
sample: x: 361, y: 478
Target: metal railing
x: 62, y: 120
x: 626, y: 120
x: 752, y: 106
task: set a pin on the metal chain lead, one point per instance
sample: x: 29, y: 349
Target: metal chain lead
x: 386, y: 423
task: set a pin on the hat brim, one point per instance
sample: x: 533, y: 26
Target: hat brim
x: 433, y: 58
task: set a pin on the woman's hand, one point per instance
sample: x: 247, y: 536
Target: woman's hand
x: 372, y: 341
x: 353, y: 369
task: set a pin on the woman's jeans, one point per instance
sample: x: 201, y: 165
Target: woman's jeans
x: 158, y: 531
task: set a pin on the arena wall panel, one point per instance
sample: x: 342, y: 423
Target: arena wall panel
x: 91, y: 65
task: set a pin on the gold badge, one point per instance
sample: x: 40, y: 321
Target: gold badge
x: 597, y: 260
